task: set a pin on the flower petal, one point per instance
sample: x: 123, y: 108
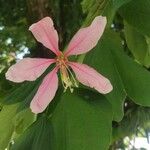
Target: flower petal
x: 45, y: 93
x: 86, y: 38
x: 90, y: 77
x: 45, y: 33
x: 28, y: 69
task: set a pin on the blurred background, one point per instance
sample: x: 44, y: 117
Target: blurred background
x: 16, y: 42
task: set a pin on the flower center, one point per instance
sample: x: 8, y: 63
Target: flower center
x: 67, y: 77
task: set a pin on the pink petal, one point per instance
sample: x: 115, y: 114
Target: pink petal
x: 46, y: 34
x: 45, y: 93
x: 28, y: 69
x: 90, y: 77
x: 86, y: 38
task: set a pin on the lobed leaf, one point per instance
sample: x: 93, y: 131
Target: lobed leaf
x: 126, y: 76
x: 81, y: 120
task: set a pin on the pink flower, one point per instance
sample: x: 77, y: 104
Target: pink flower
x: 29, y: 69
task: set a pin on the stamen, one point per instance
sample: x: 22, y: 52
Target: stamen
x: 72, y: 77
x: 67, y: 78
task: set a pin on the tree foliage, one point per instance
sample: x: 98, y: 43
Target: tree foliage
x: 84, y: 120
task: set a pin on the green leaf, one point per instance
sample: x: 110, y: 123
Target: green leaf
x: 137, y: 13
x: 136, y: 79
x: 23, y: 94
x: 125, y: 75
x: 4, y: 85
x: 106, y: 8
x: 82, y: 121
x: 19, y: 94
x: 93, y: 8
x: 23, y: 120
x: 118, y: 3
x: 111, y: 9
x: 36, y: 137
x: 138, y: 45
x: 102, y: 60
x: 28, y: 98
x: 6, y: 124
